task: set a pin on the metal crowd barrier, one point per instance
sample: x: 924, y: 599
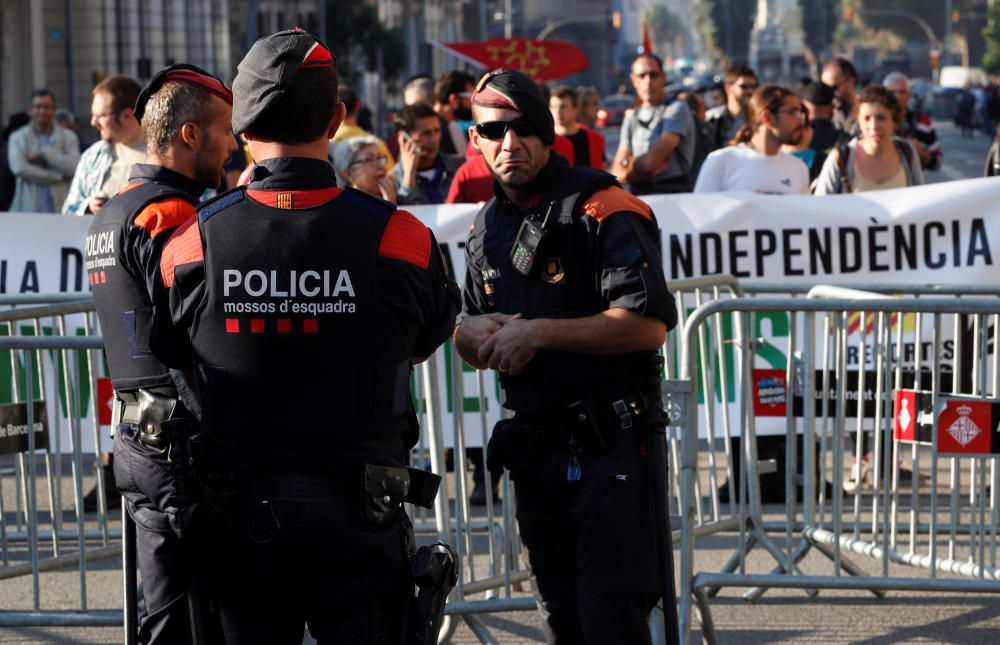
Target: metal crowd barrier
x: 895, y: 344
x: 45, y: 365
x: 486, y: 541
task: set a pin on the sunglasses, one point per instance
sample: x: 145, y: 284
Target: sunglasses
x: 496, y: 130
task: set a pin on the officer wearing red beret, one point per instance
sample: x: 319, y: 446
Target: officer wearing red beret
x: 299, y: 308
x: 565, y: 297
x: 185, y: 114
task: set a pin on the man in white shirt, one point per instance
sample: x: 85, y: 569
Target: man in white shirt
x: 104, y: 167
x: 775, y: 116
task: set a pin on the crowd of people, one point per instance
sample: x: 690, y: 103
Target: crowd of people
x: 828, y: 135
x: 371, y: 295
x: 730, y: 136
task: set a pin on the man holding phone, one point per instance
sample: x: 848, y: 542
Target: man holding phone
x: 104, y: 167
x: 423, y: 174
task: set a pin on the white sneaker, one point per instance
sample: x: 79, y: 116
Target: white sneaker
x: 860, y: 476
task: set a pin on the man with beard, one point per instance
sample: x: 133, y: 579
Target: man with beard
x: 452, y: 95
x: 725, y: 120
x: 565, y: 297
x: 840, y: 75
x: 775, y: 117
x: 185, y: 114
x: 424, y: 173
x: 104, y: 167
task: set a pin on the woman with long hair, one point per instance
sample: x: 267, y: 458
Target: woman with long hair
x: 876, y: 159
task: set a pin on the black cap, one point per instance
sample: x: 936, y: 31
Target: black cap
x: 181, y: 73
x: 818, y: 93
x: 269, y: 68
x: 506, y: 88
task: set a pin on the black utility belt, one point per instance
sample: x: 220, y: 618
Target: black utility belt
x: 380, y: 491
x: 590, y: 424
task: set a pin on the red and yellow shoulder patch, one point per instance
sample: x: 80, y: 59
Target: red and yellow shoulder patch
x: 183, y: 247
x: 615, y: 200
x: 407, y: 239
x: 164, y: 215
x: 294, y: 199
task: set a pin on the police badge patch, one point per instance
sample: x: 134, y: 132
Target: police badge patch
x: 552, y: 271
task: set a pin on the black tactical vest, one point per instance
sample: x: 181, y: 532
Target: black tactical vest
x: 563, y: 285
x: 118, y: 281
x: 293, y: 345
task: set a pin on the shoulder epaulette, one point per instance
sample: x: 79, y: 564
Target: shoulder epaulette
x: 406, y: 238
x: 615, y: 200
x: 368, y: 203
x: 221, y: 202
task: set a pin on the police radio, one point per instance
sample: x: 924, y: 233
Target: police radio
x: 529, y: 238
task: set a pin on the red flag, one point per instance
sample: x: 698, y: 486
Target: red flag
x: 543, y: 60
x: 647, y: 41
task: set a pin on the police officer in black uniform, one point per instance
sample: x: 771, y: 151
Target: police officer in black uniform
x: 185, y: 114
x: 565, y: 296
x: 303, y: 307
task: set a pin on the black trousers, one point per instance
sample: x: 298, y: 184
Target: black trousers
x: 592, y: 543
x: 145, y: 480
x: 292, y: 561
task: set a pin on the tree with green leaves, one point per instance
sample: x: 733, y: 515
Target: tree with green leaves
x: 353, y: 28
x: 665, y: 27
x: 991, y: 36
x: 819, y: 20
x: 733, y: 22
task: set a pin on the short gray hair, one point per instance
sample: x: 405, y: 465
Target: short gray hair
x: 420, y: 90
x: 171, y: 107
x: 347, y: 149
x: 894, y: 77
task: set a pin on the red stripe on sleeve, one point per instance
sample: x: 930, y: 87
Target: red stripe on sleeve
x: 407, y: 239
x: 183, y: 247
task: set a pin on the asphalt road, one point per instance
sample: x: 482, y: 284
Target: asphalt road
x: 780, y: 616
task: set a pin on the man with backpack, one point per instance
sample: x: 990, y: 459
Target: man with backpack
x: 657, y: 149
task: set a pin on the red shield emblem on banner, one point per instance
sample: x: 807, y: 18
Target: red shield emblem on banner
x: 964, y: 427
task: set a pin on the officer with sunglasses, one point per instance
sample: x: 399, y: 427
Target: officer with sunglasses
x: 565, y: 297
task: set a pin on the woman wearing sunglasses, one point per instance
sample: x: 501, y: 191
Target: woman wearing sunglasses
x: 360, y: 162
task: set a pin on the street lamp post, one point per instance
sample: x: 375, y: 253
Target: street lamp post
x: 562, y: 22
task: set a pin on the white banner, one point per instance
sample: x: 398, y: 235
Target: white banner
x: 938, y: 234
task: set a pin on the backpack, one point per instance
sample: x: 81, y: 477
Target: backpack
x: 843, y: 152
x: 702, y: 147
x: 689, y: 167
